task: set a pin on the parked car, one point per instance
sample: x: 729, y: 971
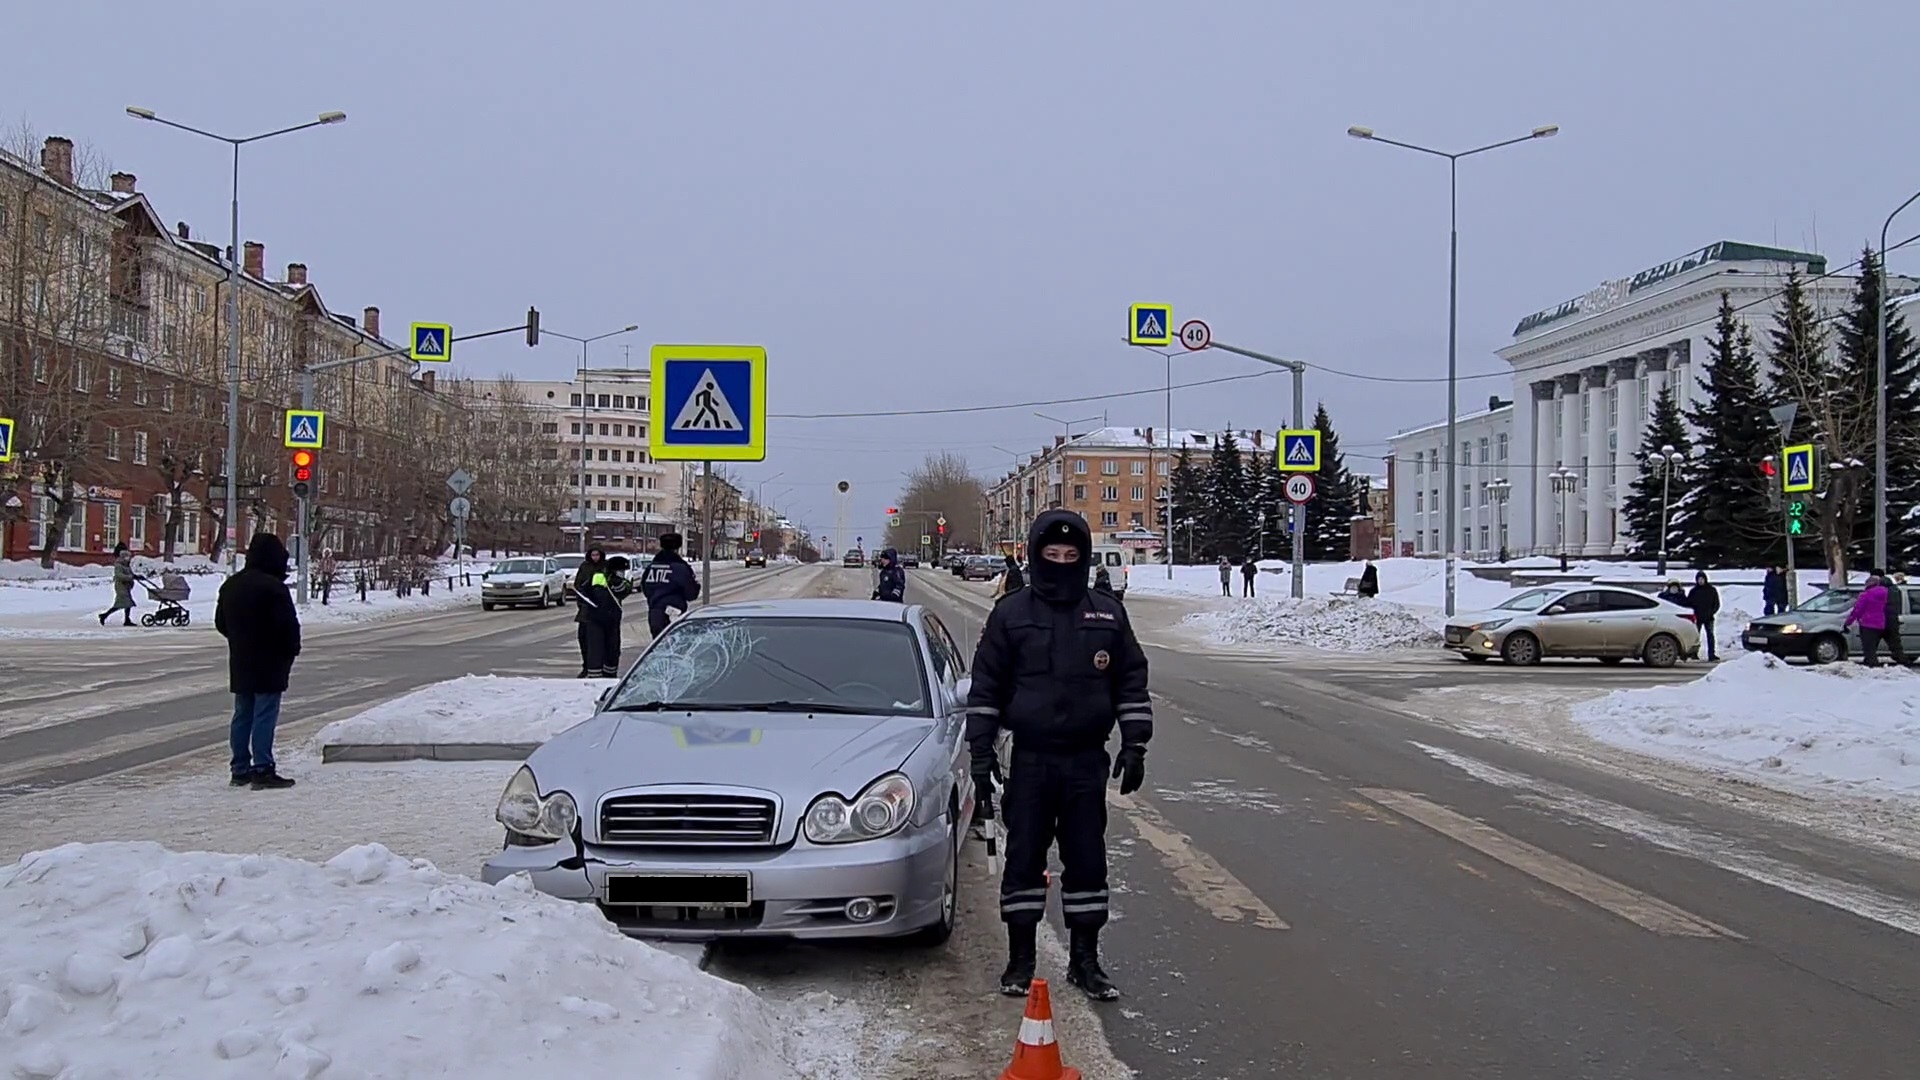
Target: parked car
x: 570, y: 563
x: 957, y: 563
x: 982, y: 568
x: 854, y: 559
x: 1601, y: 622
x: 909, y: 560
x: 788, y: 768
x: 1816, y: 630
x: 756, y: 557
x: 524, y: 581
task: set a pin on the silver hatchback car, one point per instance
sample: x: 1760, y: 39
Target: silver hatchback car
x: 792, y: 768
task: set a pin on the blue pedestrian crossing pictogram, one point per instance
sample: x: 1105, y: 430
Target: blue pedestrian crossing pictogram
x: 1300, y: 451
x: 709, y: 403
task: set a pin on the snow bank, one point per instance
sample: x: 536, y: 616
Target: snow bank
x: 31, y: 570
x: 129, y: 960
x: 66, y: 606
x: 1340, y: 624
x: 472, y: 709
x: 1839, y: 728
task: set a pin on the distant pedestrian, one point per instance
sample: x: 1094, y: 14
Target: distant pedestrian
x: 1896, y: 599
x: 122, y: 586
x: 1705, y: 602
x: 669, y: 584
x: 1102, y: 580
x: 1773, y: 590
x: 1248, y: 570
x: 1870, y: 612
x: 1011, y: 580
x: 1673, y: 593
x: 890, y: 583
x: 1369, y: 581
x: 255, y: 614
x: 598, y: 616
x: 1226, y: 577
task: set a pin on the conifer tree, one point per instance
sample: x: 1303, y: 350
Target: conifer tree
x: 1229, y: 511
x: 1643, y: 508
x: 1330, y: 515
x: 1730, y: 510
x: 1857, y: 359
x: 1186, y: 493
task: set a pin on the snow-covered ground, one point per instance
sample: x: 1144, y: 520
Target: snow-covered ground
x: 1838, y: 729
x: 472, y: 709
x: 1408, y: 610
x: 68, y: 605
x: 130, y: 960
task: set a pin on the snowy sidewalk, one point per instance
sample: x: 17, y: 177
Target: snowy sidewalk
x: 475, y: 717
x: 1841, y: 729
x: 126, y: 959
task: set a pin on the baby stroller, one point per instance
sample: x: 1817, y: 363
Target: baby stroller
x: 171, y: 594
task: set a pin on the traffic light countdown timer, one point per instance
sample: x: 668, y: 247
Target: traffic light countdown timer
x: 302, y: 473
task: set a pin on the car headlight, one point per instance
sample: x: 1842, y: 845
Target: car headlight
x: 1491, y: 624
x: 524, y: 811
x: 1790, y: 628
x: 881, y: 809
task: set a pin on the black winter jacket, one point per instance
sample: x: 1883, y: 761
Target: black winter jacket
x: 892, y: 585
x: 597, y: 592
x: 255, y: 614
x: 1058, y: 677
x: 669, y: 583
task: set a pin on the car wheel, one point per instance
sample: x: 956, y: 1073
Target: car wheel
x: 1660, y: 651
x: 937, y: 934
x: 1520, y: 649
x: 1828, y: 649
x: 546, y: 599
x: 1610, y: 660
x: 484, y: 606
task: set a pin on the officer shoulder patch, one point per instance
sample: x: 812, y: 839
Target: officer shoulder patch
x: 1097, y: 616
x: 1101, y: 660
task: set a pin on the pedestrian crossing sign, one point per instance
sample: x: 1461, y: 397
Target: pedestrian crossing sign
x: 6, y: 439
x: 1798, y: 473
x: 1150, y: 324
x: 431, y: 342
x: 306, y: 429
x: 1300, y: 451
x: 709, y: 403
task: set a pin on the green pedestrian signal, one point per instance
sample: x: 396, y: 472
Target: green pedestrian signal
x: 1796, y: 518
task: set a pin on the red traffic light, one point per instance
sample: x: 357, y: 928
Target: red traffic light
x: 942, y: 529
x: 1767, y: 467
x: 302, y: 465
x: 891, y: 510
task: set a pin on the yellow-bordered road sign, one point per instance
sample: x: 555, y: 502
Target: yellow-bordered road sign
x: 1300, y: 450
x: 430, y: 342
x: 709, y: 403
x: 1150, y: 324
x: 306, y: 429
x: 1796, y: 468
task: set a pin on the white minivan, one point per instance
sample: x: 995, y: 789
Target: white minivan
x: 1117, y: 561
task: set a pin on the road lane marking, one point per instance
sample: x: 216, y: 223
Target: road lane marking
x: 1647, y: 912
x: 1208, y: 884
x: 1710, y: 848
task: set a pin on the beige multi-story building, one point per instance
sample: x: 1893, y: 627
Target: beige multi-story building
x: 1116, y: 478
x: 602, y: 413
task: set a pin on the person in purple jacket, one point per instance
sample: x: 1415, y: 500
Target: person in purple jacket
x: 1870, y: 611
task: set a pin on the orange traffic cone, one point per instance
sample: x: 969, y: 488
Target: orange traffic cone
x: 1036, y: 1056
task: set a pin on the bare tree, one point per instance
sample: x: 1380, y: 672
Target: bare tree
x: 943, y: 485
x: 1806, y: 372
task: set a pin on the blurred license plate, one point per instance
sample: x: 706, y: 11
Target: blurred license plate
x: 680, y: 890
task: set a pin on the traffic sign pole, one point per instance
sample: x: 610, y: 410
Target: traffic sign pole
x: 1298, y: 526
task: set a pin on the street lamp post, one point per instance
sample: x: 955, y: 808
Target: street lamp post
x: 1453, y: 311
x: 1666, y: 461
x: 1500, y: 488
x: 1564, y: 480
x: 586, y: 400
x: 1880, y: 399
x: 233, y: 305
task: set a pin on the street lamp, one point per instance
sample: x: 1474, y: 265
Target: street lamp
x: 1453, y: 309
x: 1564, y: 480
x: 1500, y: 488
x: 1068, y: 424
x: 585, y: 400
x: 1880, y: 399
x: 233, y: 305
x: 1665, y: 461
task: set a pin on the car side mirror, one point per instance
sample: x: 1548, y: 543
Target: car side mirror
x: 1557, y: 609
x: 605, y: 696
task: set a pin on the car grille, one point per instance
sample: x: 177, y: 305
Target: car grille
x: 687, y: 820
x: 1456, y: 634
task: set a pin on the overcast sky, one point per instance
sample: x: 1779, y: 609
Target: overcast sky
x: 919, y: 206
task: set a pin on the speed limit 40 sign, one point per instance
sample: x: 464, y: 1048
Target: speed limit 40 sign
x: 1195, y: 335
x: 1299, y: 488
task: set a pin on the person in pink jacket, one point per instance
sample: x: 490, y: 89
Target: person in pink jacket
x: 1870, y: 611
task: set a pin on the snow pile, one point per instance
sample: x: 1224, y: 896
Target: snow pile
x: 66, y: 606
x: 1339, y: 624
x: 31, y: 570
x: 129, y: 960
x: 1840, y: 728
x: 471, y: 709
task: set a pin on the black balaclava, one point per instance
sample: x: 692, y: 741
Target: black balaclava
x: 1058, y: 583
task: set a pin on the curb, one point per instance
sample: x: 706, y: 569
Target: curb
x: 363, y: 752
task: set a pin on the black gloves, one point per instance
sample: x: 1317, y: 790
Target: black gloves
x: 986, y: 776
x: 1130, y: 768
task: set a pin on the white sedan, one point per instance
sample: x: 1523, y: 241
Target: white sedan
x: 530, y: 581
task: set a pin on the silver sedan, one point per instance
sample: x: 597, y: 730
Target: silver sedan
x: 793, y: 768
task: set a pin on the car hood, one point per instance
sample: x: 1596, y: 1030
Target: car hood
x: 794, y: 756
x: 1471, y: 618
x: 1808, y: 619
x: 515, y: 579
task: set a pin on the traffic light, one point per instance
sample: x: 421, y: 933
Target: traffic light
x: 1767, y: 468
x: 302, y: 473
x: 893, y: 511
x: 1796, y: 518
x: 942, y: 527
x: 756, y: 536
x: 533, y: 326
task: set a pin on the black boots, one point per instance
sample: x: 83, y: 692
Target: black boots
x: 1021, y: 956
x: 1083, y: 967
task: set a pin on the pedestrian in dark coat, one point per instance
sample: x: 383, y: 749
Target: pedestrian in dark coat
x: 1012, y: 580
x: 1248, y: 571
x: 122, y: 586
x: 892, y: 583
x: 598, y: 613
x: 1369, y: 580
x: 1896, y: 599
x: 255, y: 614
x: 1773, y: 590
x: 669, y: 584
x: 1705, y: 602
x: 1058, y: 666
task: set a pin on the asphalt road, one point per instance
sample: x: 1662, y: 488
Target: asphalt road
x: 1317, y: 885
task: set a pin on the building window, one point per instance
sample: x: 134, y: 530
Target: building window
x: 1466, y: 495
x: 1109, y: 468
x: 1139, y: 492
x: 1166, y: 468
x: 166, y: 397
x: 139, y: 448
x: 1080, y: 468
x: 113, y: 382
x: 606, y: 402
x: 1419, y: 464
x: 1079, y: 493
x: 554, y: 429
x: 628, y: 503
x: 1559, y: 425
x: 576, y: 401
x: 630, y: 427
x: 1109, y: 519
x: 1613, y: 407
x: 1133, y: 520
x: 1586, y: 413
x: 1419, y: 502
x: 1500, y: 447
x: 1484, y: 531
x: 1466, y: 538
x: 603, y: 455
x: 113, y: 444
x: 1139, y: 468
x: 110, y: 524
x: 1503, y: 534
x: 1483, y: 451
x: 137, y: 528
x: 1109, y: 493
x: 630, y: 455
x: 576, y: 427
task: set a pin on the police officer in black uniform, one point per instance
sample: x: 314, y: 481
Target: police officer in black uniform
x: 1057, y: 666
